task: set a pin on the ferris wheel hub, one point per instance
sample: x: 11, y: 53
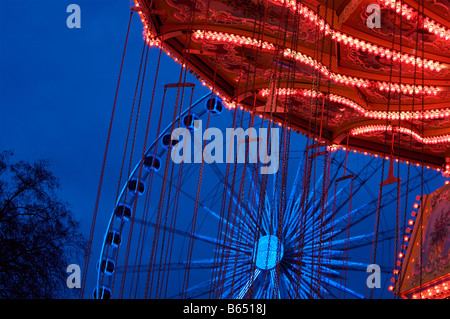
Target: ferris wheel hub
x: 268, y: 252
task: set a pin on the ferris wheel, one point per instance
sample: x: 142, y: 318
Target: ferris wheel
x: 242, y: 234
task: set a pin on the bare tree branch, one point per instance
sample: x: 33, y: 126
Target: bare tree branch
x: 37, y: 232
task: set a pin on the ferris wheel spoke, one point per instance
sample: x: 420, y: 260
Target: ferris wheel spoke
x: 310, y: 219
x: 236, y: 280
x: 248, y: 284
x: 315, y: 235
x: 315, y: 220
x: 264, y: 285
x: 257, y: 218
x: 330, y: 203
x: 362, y: 240
x: 254, y: 189
x: 318, y: 221
x: 197, y: 236
x: 243, y: 206
x: 313, y: 193
x: 195, y: 291
x: 312, y: 289
x: 355, y: 266
x: 287, y: 283
x: 300, y: 279
x: 181, y: 265
x: 356, y: 215
x: 318, y: 265
x: 294, y: 188
x: 203, y: 206
x: 292, y: 219
x: 366, y: 210
x: 274, y: 283
x: 313, y: 277
x: 360, y: 180
x: 345, y: 264
x: 189, y: 196
x: 246, y: 234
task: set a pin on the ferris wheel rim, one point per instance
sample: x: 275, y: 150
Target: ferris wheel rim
x: 122, y: 192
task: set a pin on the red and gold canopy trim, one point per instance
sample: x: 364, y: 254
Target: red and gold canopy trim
x: 378, y: 85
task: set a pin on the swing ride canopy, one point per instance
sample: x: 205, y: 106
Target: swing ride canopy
x: 373, y: 81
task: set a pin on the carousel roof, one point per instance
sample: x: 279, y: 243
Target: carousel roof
x: 375, y: 81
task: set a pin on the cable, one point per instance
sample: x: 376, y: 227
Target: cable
x: 94, y: 218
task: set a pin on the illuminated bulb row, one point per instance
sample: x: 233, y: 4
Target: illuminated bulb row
x: 234, y: 105
x: 359, y: 44
x: 349, y: 80
x: 204, y: 82
x: 441, y: 139
x: 437, y: 29
x: 232, y: 38
x: 341, y: 37
x: 152, y: 42
x: 338, y: 78
x: 179, y: 61
x: 370, y: 129
x: 352, y: 81
x: 311, y: 93
x: 149, y: 38
x: 288, y: 53
x: 228, y: 104
x: 291, y: 91
x: 380, y: 115
x: 348, y: 102
x: 404, y: 246
x: 418, y: 115
x: 142, y: 17
x: 401, y: 8
x: 303, y: 58
x: 428, y: 24
x: 446, y: 169
x: 385, y: 52
x: 336, y: 147
x: 333, y: 148
x: 439, y: 290
x: 407, y: 88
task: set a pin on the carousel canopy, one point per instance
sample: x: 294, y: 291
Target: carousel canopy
x: 366, y: 75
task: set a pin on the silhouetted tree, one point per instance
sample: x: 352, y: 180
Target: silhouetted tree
x: 38, y: 236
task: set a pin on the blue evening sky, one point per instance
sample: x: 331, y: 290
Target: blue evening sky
x: 57, y: 89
